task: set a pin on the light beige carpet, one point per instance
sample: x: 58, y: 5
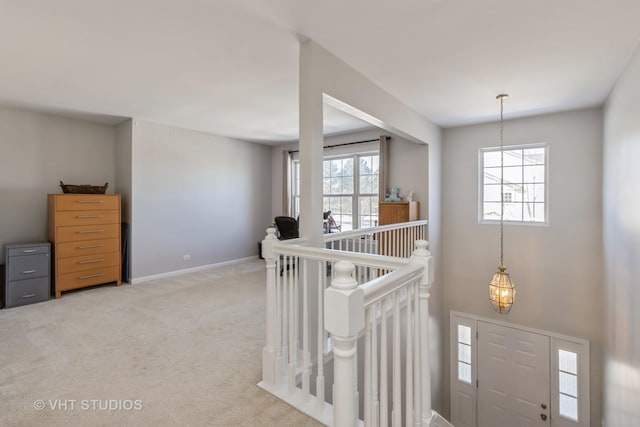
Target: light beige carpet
x: 187, y: 349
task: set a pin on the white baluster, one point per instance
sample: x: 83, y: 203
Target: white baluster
x: 417, y: 390
x: 269, y: 352
x: 375, y: 368
x: 322, y: 276
x: 285, y: 314
x: 295, y: 280
x: 409, y: 361
x: 397, y: 380
x: 412, y: 238
x: 305, y: 328
x: 423, y: 257
x: 344, y: 319
x: 384, y: 390
x: 280, y: 355
x: 367, y: 366
x: 292, y: 325
x: 385, y: 244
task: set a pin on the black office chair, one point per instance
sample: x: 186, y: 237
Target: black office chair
x: 287, y: 229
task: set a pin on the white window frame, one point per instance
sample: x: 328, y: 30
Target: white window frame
x: 355, y: 196
x: 481, y: 152
x: 294, y: 180
x: 582, y: 352
x: 358, y: 194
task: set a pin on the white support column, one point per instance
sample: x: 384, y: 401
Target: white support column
x: 311, y: 145
x: 269, y: 363
x: 344, y: 319
x: 423, y: 257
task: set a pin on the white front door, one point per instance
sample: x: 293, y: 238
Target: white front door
x: 513, y: 377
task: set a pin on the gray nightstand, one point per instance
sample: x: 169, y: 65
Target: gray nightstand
x: 27, y: 273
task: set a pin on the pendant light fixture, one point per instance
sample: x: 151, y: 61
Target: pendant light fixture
x: 502, y: 290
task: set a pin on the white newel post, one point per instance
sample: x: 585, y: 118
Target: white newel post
x: 269, y: 352
x: 344, y: 319
x: 422, y: 256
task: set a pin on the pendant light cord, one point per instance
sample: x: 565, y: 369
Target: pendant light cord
x: 501, y: 180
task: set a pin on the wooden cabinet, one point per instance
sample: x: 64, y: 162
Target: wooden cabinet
x: 395, y: 212
x: 84, y: 230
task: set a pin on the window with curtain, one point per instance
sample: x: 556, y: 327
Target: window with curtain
x: 349, y: 187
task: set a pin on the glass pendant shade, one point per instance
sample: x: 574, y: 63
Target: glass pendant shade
x: 502, y: 291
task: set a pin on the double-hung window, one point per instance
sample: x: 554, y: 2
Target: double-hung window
x: 349, y: 189
x: 338, y: 190
x: 524, y: 191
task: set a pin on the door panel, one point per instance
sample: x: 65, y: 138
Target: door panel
x: 513, y: 377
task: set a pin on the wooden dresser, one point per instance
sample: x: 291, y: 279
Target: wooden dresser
x: 396, y: 212
x: 84, y: 230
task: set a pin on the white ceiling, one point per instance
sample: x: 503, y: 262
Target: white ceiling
x: 231, y: 66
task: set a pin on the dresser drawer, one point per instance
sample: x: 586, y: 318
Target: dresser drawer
x: 28, y: 266
x: 87, y: 262
x: 86, y: 202
x: 87, y: 247
x: 24, y: 292
x: 28, y: 250
x: 87, y: 232
x: 65, y: 282
x: 67, y: 218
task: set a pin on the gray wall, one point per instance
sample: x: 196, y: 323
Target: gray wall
x: 123, y: 167
x: 37, y: 151
x: 622, y: 249
x: 557, y: 269
x: 198, y: 194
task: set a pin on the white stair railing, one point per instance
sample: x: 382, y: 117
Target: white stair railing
x: 355, y: 308
x: 314, y: 292
x: 391, y: 240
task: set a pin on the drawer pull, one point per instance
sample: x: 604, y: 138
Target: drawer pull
x: 90, y: 231
x: 90, y: 246
x: 90, y: 261
x: 90, y: 276
x: 28, y: 296
x: 28, y: 271
x: 89, y: 216
x: 90, y: 201
x: 29, y: 251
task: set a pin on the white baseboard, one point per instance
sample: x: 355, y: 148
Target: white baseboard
x: 136, y: 280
